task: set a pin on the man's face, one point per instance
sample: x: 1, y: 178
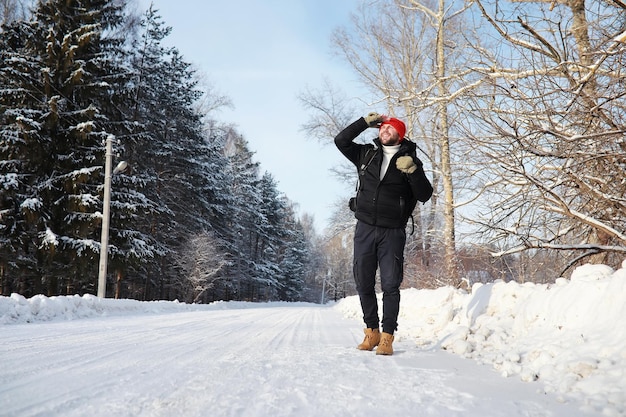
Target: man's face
x: 388, y: 135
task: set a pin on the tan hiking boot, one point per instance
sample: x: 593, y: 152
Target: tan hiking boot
x: 384, y: 347
x: 372, y: 338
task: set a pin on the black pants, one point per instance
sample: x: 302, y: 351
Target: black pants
x: 378, y: 247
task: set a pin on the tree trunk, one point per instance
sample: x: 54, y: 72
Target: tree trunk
x: 118, y: 284
x: 450, y: 266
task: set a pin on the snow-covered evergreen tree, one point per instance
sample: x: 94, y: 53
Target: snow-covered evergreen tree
x: 243, y: 173
x: 269, y: 234
x: 293, y: 261
x: 24, y: 149
x: 182, y: 168
x: 74, y: 100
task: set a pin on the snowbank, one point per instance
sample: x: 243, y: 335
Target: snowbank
x: 17, y: 309
x: 569, y: 336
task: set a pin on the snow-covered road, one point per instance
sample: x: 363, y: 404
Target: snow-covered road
x: 268, y: 360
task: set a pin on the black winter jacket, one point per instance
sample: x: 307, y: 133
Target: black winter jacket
x: 388, y: 202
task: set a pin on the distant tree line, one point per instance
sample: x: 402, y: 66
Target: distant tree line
x: 194, y: 219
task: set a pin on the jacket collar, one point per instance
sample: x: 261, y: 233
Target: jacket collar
x: 406, y: 145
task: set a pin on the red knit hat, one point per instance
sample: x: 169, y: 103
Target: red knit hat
x: 397, y: 124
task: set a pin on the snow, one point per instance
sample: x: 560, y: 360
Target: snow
x: 49, y: 238
x: 9, y: 181
x: 32, y: 204
x: 505, y: 349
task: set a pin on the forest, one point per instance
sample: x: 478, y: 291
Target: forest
x: 517, y: 107
x: 193, y: 219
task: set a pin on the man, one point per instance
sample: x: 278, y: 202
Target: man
x: 391, y: 181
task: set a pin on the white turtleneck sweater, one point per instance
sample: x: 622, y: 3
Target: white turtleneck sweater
x: 388, y: 153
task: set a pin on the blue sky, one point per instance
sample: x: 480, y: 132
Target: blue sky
x: 262, y: 54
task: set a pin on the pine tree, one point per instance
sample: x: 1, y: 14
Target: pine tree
x: 183, y: 169
x: 266, y: 237
x: 293, y: 261
x: 24, y: 150
x: 243, y: 173
x: 77, y: 98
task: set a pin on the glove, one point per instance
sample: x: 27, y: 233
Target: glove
x: 406, y: 164
x: 373, y: 119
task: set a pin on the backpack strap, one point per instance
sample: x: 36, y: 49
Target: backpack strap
x: 364, y: 166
